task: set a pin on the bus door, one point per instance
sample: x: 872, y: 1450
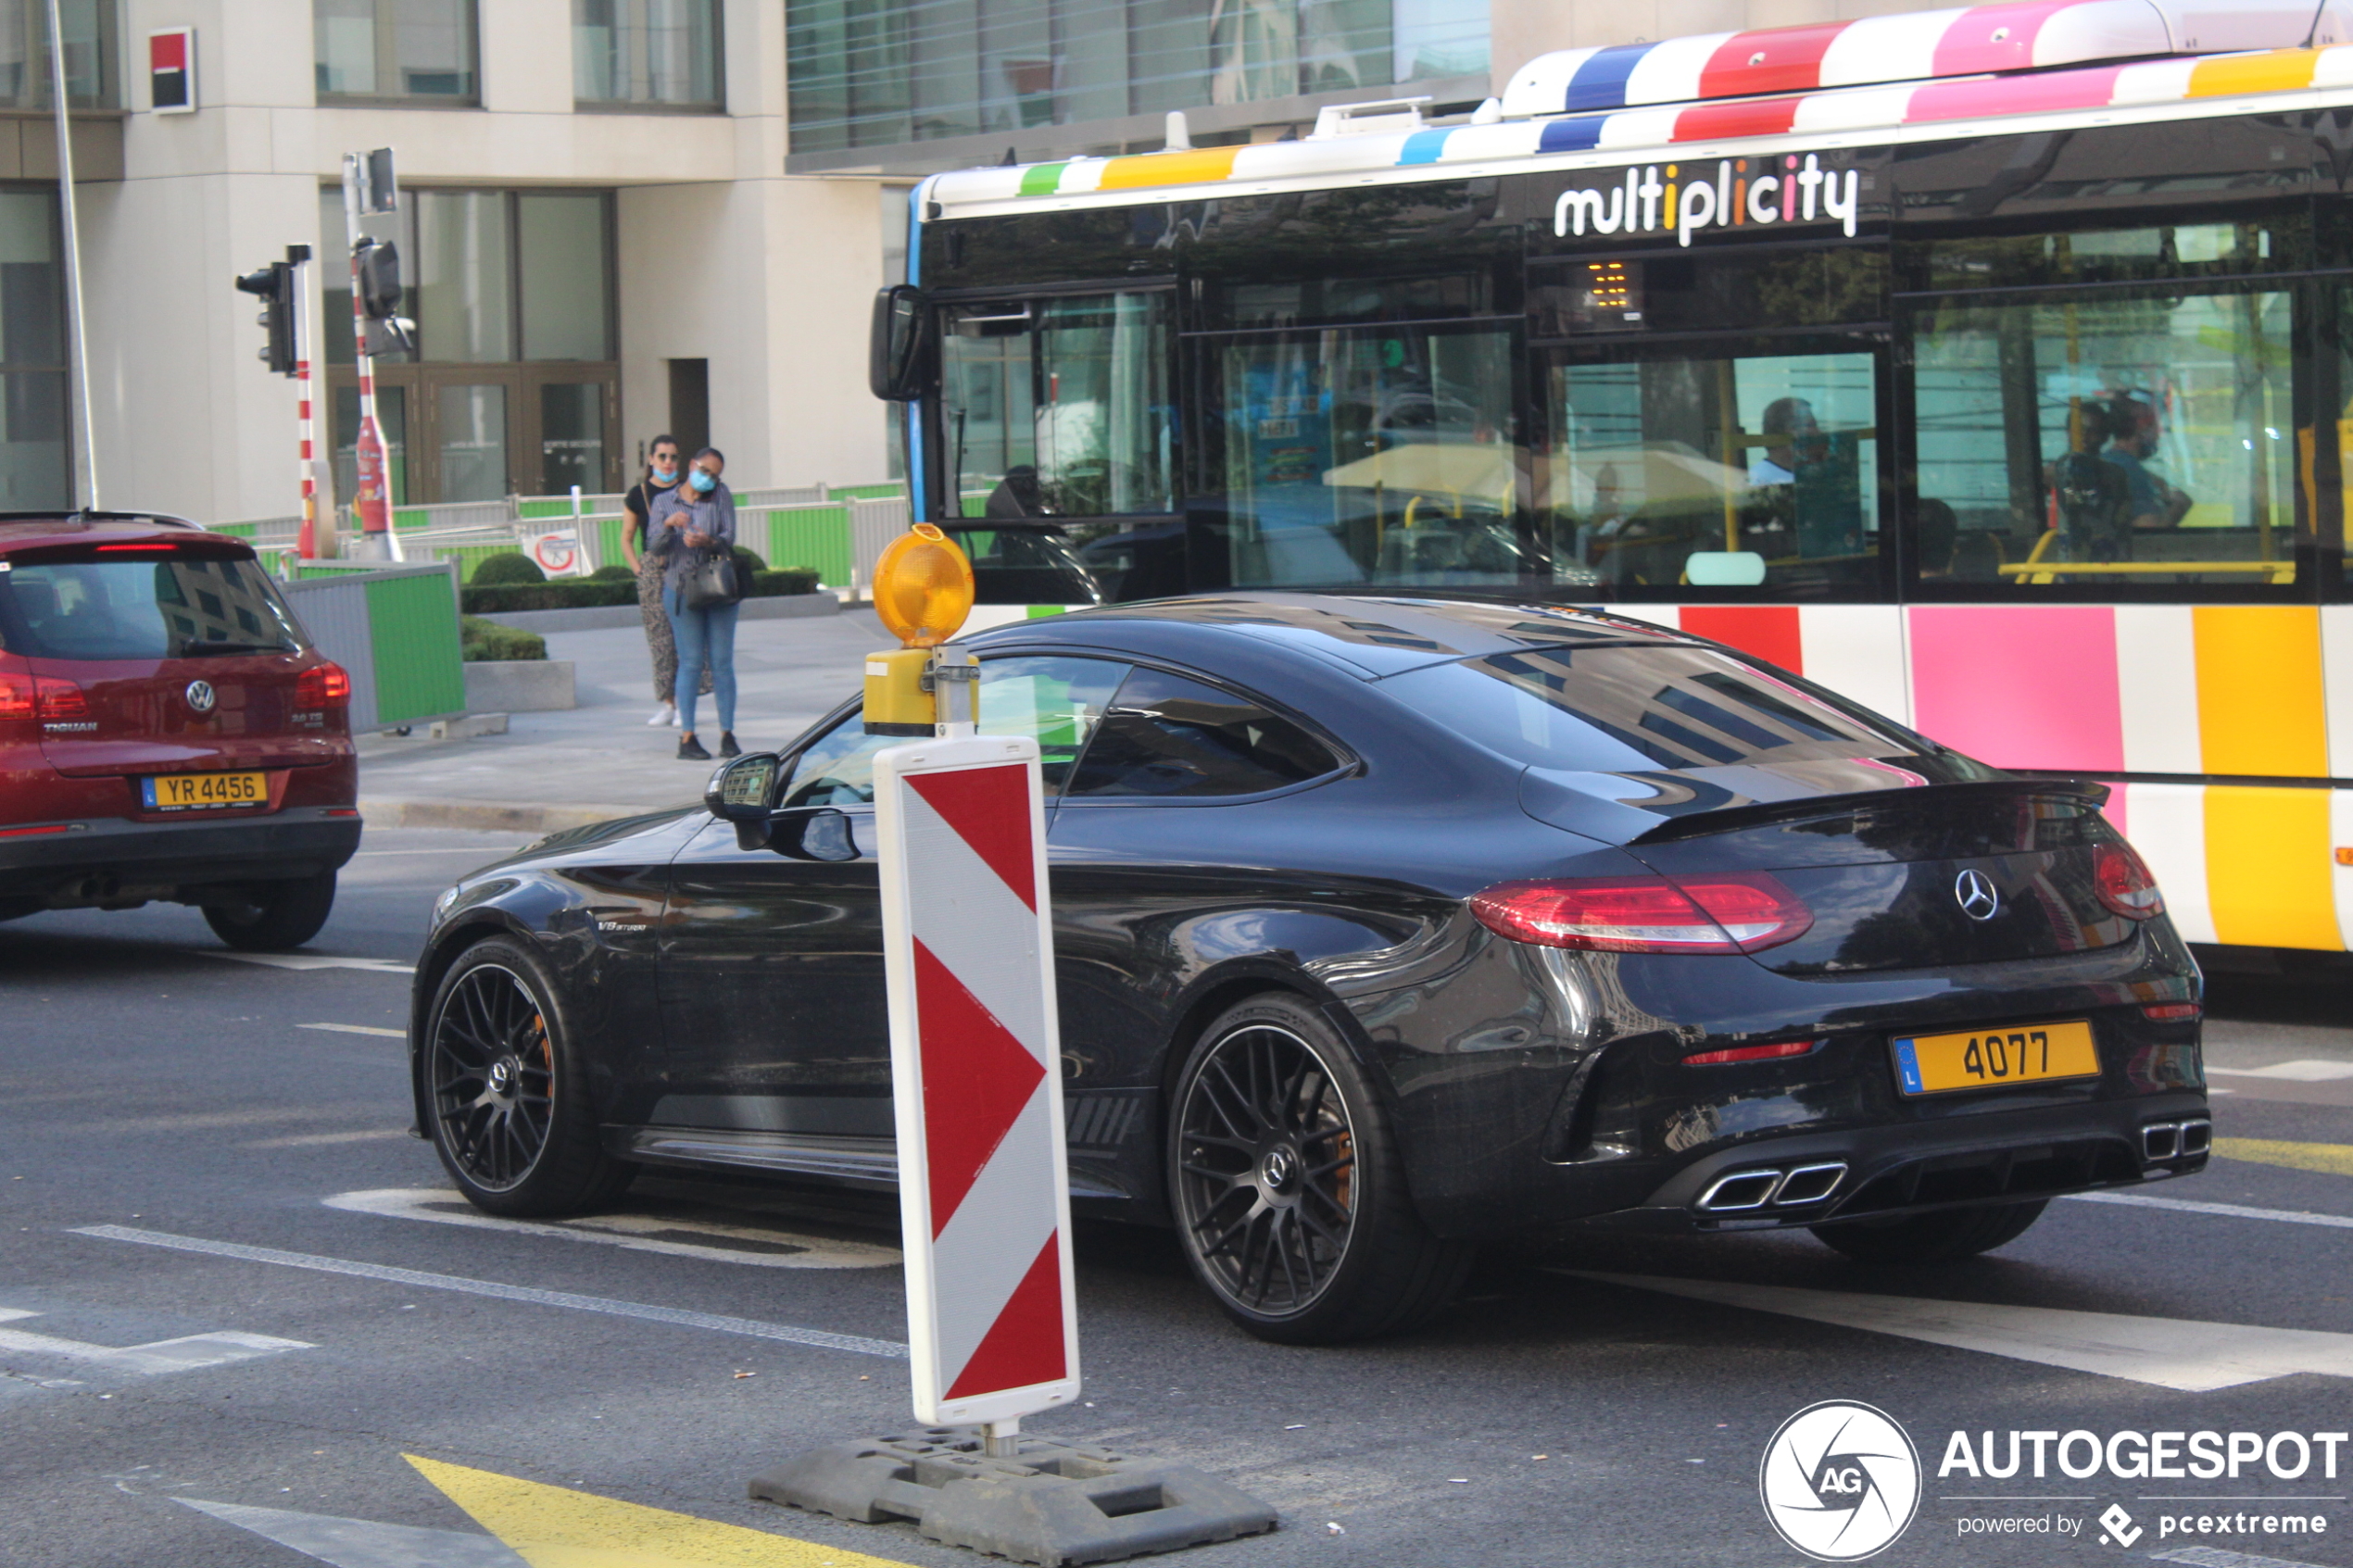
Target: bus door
x: 1717, y: 461
x: 1386, y: 453
x: 1057, y: 437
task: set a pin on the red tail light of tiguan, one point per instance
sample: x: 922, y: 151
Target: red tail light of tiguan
x: 16, y: 698
x: 59, y: 702
x: 1734, y: 912
x: 324, y: 685
x: 2123, y: 883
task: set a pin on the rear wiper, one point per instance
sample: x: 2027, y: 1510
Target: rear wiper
x: 203, y: 650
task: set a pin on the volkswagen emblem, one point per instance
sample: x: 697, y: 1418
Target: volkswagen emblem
x: 1973, y: 890
x: 200, y: 697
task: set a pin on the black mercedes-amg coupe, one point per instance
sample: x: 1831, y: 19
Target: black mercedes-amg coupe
x: 1383, y: 926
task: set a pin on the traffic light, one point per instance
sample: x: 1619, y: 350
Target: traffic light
x: 379, y: 265
x: 275, y: 285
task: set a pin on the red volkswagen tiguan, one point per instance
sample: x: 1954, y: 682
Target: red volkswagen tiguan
x: 167, y: 730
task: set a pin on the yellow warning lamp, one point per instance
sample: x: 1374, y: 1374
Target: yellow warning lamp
x: 922, y: 591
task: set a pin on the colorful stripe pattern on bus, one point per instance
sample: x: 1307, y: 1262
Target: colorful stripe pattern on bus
x: 1847, y: 110
x: 2099, y: 690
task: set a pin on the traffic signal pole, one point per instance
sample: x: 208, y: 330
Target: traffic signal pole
x: 70, y: 211
x: 306, y: 541
x: 369, y: 499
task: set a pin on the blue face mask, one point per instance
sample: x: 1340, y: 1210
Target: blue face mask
x: 701, y: 479
x: 666, y: 473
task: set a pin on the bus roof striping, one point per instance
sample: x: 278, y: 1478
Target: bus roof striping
x: 1042, y: 178
x: 1787, y: 59
x: 1599, y: 81
x: 1659, y: 130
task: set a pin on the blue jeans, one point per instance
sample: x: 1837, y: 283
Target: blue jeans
x: 704, y: 637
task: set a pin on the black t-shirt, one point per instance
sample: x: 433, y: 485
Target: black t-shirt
x: 639, y: 505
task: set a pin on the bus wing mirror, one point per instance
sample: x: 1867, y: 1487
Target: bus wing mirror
x: 894, y: 363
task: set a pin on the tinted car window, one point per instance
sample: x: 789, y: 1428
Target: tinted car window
x: 183, y: 607
x: 1168, y: 735
x: 1055, y: 701
x: 1633, y: 709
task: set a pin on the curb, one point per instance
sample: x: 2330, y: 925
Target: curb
x: 484, y: 818
x: 613, y: 618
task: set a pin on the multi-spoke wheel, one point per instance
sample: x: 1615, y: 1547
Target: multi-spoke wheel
x: 507, y: 1111
x: 1289, y: 1190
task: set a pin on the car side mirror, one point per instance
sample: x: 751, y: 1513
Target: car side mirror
x: 895, y: 345
x: 812, y: 833
x: 741, y: 790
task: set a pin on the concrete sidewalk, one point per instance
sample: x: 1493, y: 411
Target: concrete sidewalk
x: 601, y: 759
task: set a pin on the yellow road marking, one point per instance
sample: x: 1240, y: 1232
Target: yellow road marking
x: 2335, y: 1158
x: 556, y: 1528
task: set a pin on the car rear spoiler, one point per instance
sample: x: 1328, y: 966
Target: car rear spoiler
x: 1732, y: 818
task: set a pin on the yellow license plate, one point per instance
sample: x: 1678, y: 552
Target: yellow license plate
x: 186, y: 792
x: 1935, y: 1064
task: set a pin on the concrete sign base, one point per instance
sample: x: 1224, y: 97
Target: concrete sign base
x: 1053, y: 1503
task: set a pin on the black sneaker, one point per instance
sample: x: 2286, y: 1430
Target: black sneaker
x: 690, y: 750
x: 727, y: 746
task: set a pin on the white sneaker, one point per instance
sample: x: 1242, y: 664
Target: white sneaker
x: 676, y: 722
x: 663, y: 715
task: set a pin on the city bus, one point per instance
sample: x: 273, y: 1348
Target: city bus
x: 1987, y: 366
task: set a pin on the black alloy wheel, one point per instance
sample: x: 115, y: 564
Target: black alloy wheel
x: 1289, y: 1191
x: 509, y: 1115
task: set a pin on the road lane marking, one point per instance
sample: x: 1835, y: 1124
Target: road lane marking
x: 188, y: 1353
x: 362, y: 1543
x: 2175, y: 1353
x: 358, y: 1029
x: 2308, y: 1070
x: 316, y: 1140
x: 2229, y: 1211
x: 752, y: 1328
x: 305, y: 960
x: 2332, y: 1159
x: 551, y: 1525
x: 642, y: 1233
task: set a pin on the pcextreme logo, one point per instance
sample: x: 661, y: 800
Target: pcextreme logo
x: 1840, y: 1481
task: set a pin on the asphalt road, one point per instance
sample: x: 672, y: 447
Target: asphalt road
x: 235, y: 1133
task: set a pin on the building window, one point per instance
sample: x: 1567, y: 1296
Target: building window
x: 879, y: 73
x: 90, y: 48
x: 513, y: 389
x: 645, y: 53
x: 35, y: 463
x: 414, y: 51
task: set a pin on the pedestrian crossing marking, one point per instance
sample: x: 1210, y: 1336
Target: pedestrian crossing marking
x: 557, y: 1527
x: 2331, y: 1158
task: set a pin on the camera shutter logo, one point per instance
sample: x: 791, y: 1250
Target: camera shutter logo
x: 1840, y: 1481
x: 201, y: 696
x: 1973, y: 890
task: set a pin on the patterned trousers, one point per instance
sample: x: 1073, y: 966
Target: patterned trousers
x: 659, y: 639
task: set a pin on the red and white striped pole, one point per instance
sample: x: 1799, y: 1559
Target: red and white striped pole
x: 370, y: 501
x: 975, y: 1046
x: 307, y: 539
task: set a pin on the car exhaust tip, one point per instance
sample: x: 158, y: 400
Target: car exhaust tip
x: 1810, y: 1184
x: 1742, y: 1190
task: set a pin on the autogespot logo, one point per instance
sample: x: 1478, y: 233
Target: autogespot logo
x: 1840, y: 1481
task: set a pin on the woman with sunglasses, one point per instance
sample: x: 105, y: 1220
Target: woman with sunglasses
x: 636, y: 543
x: 688, y: 519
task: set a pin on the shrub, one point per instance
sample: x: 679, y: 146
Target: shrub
x: 611, y: 571
x: 513, y: 567
x: 570, y: 592
x: 791, y: 580
x: 484, y: 641
x: 749, y: 560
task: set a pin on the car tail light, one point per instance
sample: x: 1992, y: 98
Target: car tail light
x: 1751, y: 1053
x: 1739, y: 912
x: 58, y: 701
x: 2123, y: 883
x: 16, y: 699
x: 324, y: 685
x: 2171, y: 1012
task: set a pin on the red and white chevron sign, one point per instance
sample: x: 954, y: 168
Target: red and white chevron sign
x: 975, y: 1053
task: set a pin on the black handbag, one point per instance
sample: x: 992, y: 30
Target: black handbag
x: 713, y: 580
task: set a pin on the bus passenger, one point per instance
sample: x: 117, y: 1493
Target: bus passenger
x: 2149, y: 501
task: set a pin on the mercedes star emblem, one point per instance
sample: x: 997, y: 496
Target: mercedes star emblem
x: 200, y: 695
x: 1974, y: 892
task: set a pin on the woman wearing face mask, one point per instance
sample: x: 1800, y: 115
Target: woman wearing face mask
x: 636, y: 543
x: 690, y: 518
